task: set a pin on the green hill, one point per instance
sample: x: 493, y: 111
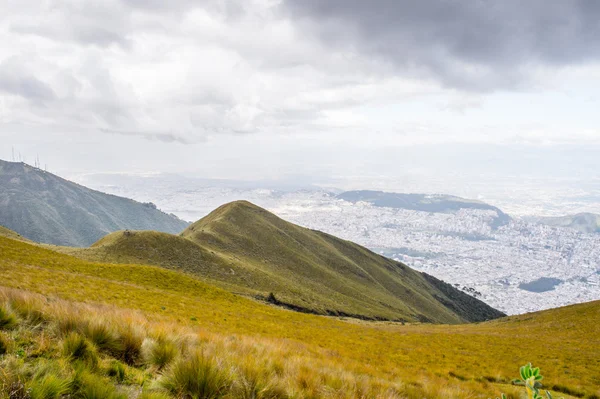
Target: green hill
x: 135, y: 331
x: 248, y: 250
x: 48, y: 209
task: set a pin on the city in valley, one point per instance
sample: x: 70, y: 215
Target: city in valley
x: 518, y: 266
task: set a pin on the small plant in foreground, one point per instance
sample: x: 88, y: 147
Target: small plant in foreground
x: 530, y: 378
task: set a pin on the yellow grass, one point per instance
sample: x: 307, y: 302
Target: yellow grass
x: 310, y: 356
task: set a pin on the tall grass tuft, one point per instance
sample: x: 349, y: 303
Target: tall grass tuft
x: 8, y: 321
x: 13, y: 376
x: 28, y: 309
x: 67, y: 322
x: 76, y: 347
x: 86, y: 385
x: 198, y: 377
x: 5, y: 343
x: 49, y: 387
x: 256, y: 380
x: 153, y: 395
x: 105, y: 339
x: 131, y: 341
x: 116, y: 369
x: 159, y: 353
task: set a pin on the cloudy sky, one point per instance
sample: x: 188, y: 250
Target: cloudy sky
x: 273, y: 88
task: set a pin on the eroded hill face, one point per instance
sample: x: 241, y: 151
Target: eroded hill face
x: 48, y: 209
x: 246, y: 249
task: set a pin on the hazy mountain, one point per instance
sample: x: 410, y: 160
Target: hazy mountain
x: 583, y: 222
x: 422, y: 202
x: 246, y: 249
x: 46, y: 208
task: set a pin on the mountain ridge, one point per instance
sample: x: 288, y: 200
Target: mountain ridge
x: 47, y: 208
x: 248, y: 250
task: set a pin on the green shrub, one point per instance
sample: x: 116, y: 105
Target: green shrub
x: 8, y: 321
x: 160, y: 353
x: 197, y: 377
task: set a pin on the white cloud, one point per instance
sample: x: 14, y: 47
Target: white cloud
x: 183, y: 73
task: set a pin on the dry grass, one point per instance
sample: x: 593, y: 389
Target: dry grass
x: 272, y: 352
x: 207, y: 365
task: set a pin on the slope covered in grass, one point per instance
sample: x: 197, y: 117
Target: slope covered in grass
x: 4, y: 232
x: 420, y: 360
x: 46, y: 208
x: 248, y: 250
x: 315, y: 270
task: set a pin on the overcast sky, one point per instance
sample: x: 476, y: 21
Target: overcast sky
x: 272, y: 88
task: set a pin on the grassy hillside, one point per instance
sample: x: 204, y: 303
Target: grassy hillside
x: 248, y: 250
x: 251, y: 344
x: 4, y: 232
x: 46, y: 208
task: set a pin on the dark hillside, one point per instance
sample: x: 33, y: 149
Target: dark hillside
x: 46, y: 208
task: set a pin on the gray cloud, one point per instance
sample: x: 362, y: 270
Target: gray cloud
x: 17, y: 81
x: 94, y: 22
x: 476, y: 45
x: 185, y: 70
x: 166, y: 137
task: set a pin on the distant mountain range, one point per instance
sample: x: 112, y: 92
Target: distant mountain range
x: 46, y: 208
x: 583, y: 222
x: 422, y: 202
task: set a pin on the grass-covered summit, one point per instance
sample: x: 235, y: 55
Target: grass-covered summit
x: 46, y: 208
x: 248, y: 250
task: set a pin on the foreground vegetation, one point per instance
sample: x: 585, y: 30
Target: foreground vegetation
x: 181, y: 325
